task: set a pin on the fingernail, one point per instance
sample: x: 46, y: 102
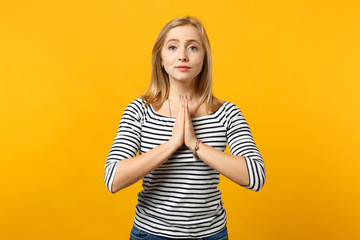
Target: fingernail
x: 186, y: 96
x: 179, y: 96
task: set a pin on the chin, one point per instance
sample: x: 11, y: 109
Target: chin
x: 183, y: 79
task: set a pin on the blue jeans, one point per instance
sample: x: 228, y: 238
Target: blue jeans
x: 137, y: 234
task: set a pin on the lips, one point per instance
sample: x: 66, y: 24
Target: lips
x: 183, y: 68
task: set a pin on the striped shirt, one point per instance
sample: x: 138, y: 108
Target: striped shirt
x: 181, y: 199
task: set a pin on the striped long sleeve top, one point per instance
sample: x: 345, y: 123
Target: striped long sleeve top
x: 181, y: 199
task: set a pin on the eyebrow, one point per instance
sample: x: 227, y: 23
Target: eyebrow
x: 177, y: 40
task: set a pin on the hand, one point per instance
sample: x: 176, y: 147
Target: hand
x: 178, y: 129
x: 189, y: 133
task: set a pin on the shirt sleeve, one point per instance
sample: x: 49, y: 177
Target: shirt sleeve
x: 127, y: 140
x: 241, y: 143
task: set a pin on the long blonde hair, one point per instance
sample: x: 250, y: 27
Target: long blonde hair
x: 159, y: 87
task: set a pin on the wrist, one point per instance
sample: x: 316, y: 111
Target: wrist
x: 196, y: 148
x: 191, y: 145
x: 173, y: 144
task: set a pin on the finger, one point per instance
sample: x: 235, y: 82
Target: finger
x: 186, y: 108
x: 180, y: 104
x: 181, y: 110
x: 188, y: 122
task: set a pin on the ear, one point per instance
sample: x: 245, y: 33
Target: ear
x: 161, y: 62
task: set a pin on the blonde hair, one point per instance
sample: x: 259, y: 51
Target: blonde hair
x: 159, y: 87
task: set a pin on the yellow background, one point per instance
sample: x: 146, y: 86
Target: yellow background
x: 69, y: 68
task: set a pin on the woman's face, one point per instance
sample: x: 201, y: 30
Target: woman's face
x: 182, y: 54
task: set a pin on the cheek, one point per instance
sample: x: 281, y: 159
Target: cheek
x: 166, y: 62
x: 200, y: 62
x: 200, y: 67
x: 165, y: 58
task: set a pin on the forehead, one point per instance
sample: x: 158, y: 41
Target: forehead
x: 187, y: 32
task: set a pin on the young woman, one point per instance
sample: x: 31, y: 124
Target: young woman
x: 180, y: 131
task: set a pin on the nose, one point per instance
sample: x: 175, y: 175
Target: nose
x: 182, y: 56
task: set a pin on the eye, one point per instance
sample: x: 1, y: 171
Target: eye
x: 172, y: 47
x: 193, y: 48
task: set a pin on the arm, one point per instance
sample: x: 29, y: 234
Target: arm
x: 131, y: 170
x: 245, y: 165
x: 123, y: 168
x: 231, y: 166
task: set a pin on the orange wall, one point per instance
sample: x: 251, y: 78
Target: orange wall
x: 69, y: 68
